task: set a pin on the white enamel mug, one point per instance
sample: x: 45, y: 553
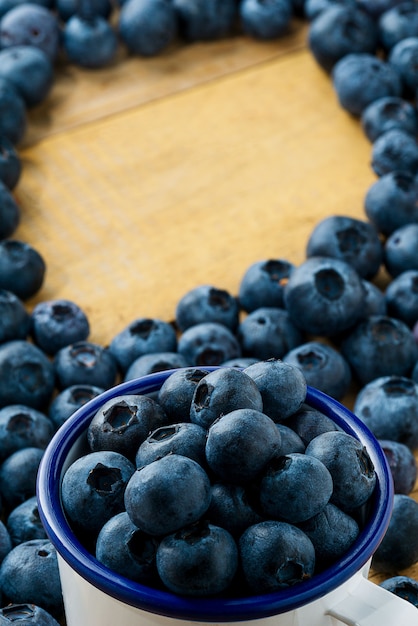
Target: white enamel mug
x: 342, y: 594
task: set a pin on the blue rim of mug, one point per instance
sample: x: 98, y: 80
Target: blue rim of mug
x: 219, y: 609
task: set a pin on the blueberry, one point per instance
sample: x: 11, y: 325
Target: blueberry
x: 147, y: 28
x: 182, y: 438
x: 93, y: 489
x: 222, y: 391
x: 275, y: 555
x: 18, y: 476
x: 352, y: 471
x: 404, y: 57
x: 27, y: 615
x: 26, y: 374
x: 30, y: 24
x: 395, y: 150
x: 30, y: 71
x: 376, y: 8
x: 10, y: 164
x: 69, y: 400
x: 241, y: 362
x: 379, y: 346
x: 89, y: 41
x: 21, y: 427
x: 22, y: 267
x: 402, y: 463
x: 400, y: 250
x: 124, y: 548
x: 67, y: 8
x: 58, y: 323
x: 268, y: 333
x: 332, y: 533
x: 5, y: 541
x: 402, y: 297
x: 265, y: 20
x: 240, y: 444
x: 9, y: 212
x: 176, y: 393
x: 290, y: 441
x: 339, y: 30
x: 397, y: 23
x: 123, y: 423
x: 167, y: 494
x: 155, y: 362
x: 375, y: 301
x: 85, y: 363
x: 206, y: 303
x: 23, y: 522
x: 322, y: 366
x: 13, y: 119
x: 142, y: 336
x: 308, y: 423
x: 29, y: 574
x: 200, y: 560
x: 387, y: 114
x: 282, y: 387
x: 349, y: 239
x: 201, y: 20
x: 294, y: 488
x: 388, y: 405
x: 399, y: 547
x: 14, y: 318
x: 324, y: 296
x: 263, y: 283
x: 313, y: 8
x: 392, y: 201
x: 230, y: 508
x: 208, y: 343
x: 361, y: 78
x: 403, y: 586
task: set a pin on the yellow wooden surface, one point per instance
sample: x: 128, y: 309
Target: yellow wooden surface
x: 152, y: 176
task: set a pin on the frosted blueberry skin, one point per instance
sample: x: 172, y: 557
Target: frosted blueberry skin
x: 9, y: 213
x: 22, y: 427
x: 267, y: 333
x: 200, y: 20
x: 27, y: 614
x: 29, y: 70
x: 313, y: 8
x: 275, y: 555
x: 375, y: 301
x: 324, y: 296
x: 89, y: 41
x: 308, y: 423
x: 400, y: 250
x: 263, y: 283
x: 395, y: 150
x: 206, y: 303
x: 93, y: 489
x: 208, y: 344
x: 402, y: 463
x: 143, y: 335
x: 24, y: 524
x: 22, y: 268
x: 5, y: 541
x: 402, y: 297
x: 10, y: 164
x: 30, y: 24
x: 404, y: 57
x: 397, y: 23
x: 376, y: 8
x: 339, y: 30
x: 84, y: 363
x: 147, y: 28
x: 290, y: 441
x: 399, y: 547
x: 58, y: 323
x: 155, y: 362
x: 66, y: 402
x: 127, y: 550
x: 18, y: 476
x: 230, y: 507
x: 68, y: 8
x: 38, y: 582
x: 391, y: 202
x: 176, y: 393
x: 26, y: 374
x: 361, y: 78
x: 265, y: 20
x: 403, y: 586
x: 388, y: 405
x: 199, y: 559
x: 387, y: 114
x: 380, y: 346
x: 222, y: 391
x: 182, y: 438
x: 166, y: 495
x: 14, y: 318
x: 13, y: 121
x: 123, y: 424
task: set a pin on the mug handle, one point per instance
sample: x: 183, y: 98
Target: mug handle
x: 368, y: 604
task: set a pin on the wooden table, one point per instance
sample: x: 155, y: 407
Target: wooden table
x: 153, y: 176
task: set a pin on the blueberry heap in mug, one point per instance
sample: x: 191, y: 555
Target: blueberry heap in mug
x: 326, y: 317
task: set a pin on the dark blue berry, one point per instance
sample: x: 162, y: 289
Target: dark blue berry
x: 308, y: 423
x: 69, y: 400
x: 404, y: 587
x: 30, y: 71
x: 208, y: 343
x: 10, y: 164
x: 397, y: 23
x: 201, y: 20
x: 156, y: 362
x: 268, y: 333
x: 207, y: 304
x: 399, y: 547
x: 392, y: 201
x: 404, y: 57
x: 85, y: 363
x: 9, y: 212
x: 147, y: 28
x: 402, y: 463
x: 265, y: 20
x: 402, y: 297
x: 27, y: 615
x: 14, y: 318
x: 313, y: 8
x: 263, y: 283
x: 182, y: 438
x: 400, y: 250
x: 30, y: 24
x: 22, y: 267
x: 13, y: 120
x: 5, y: 541
x: 387, y: 114
x: 230, y: 507
x: 176, y: 393
x: 89, y: 42
x: 23, y: 522
x: 18, y: 476
x: 58, y: 323
x: 22, y: 427
x: 395, y: 150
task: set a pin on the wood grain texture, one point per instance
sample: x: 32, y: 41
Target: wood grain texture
x: 148, y: 178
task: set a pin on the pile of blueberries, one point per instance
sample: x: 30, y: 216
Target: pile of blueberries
x: 327, y: 316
